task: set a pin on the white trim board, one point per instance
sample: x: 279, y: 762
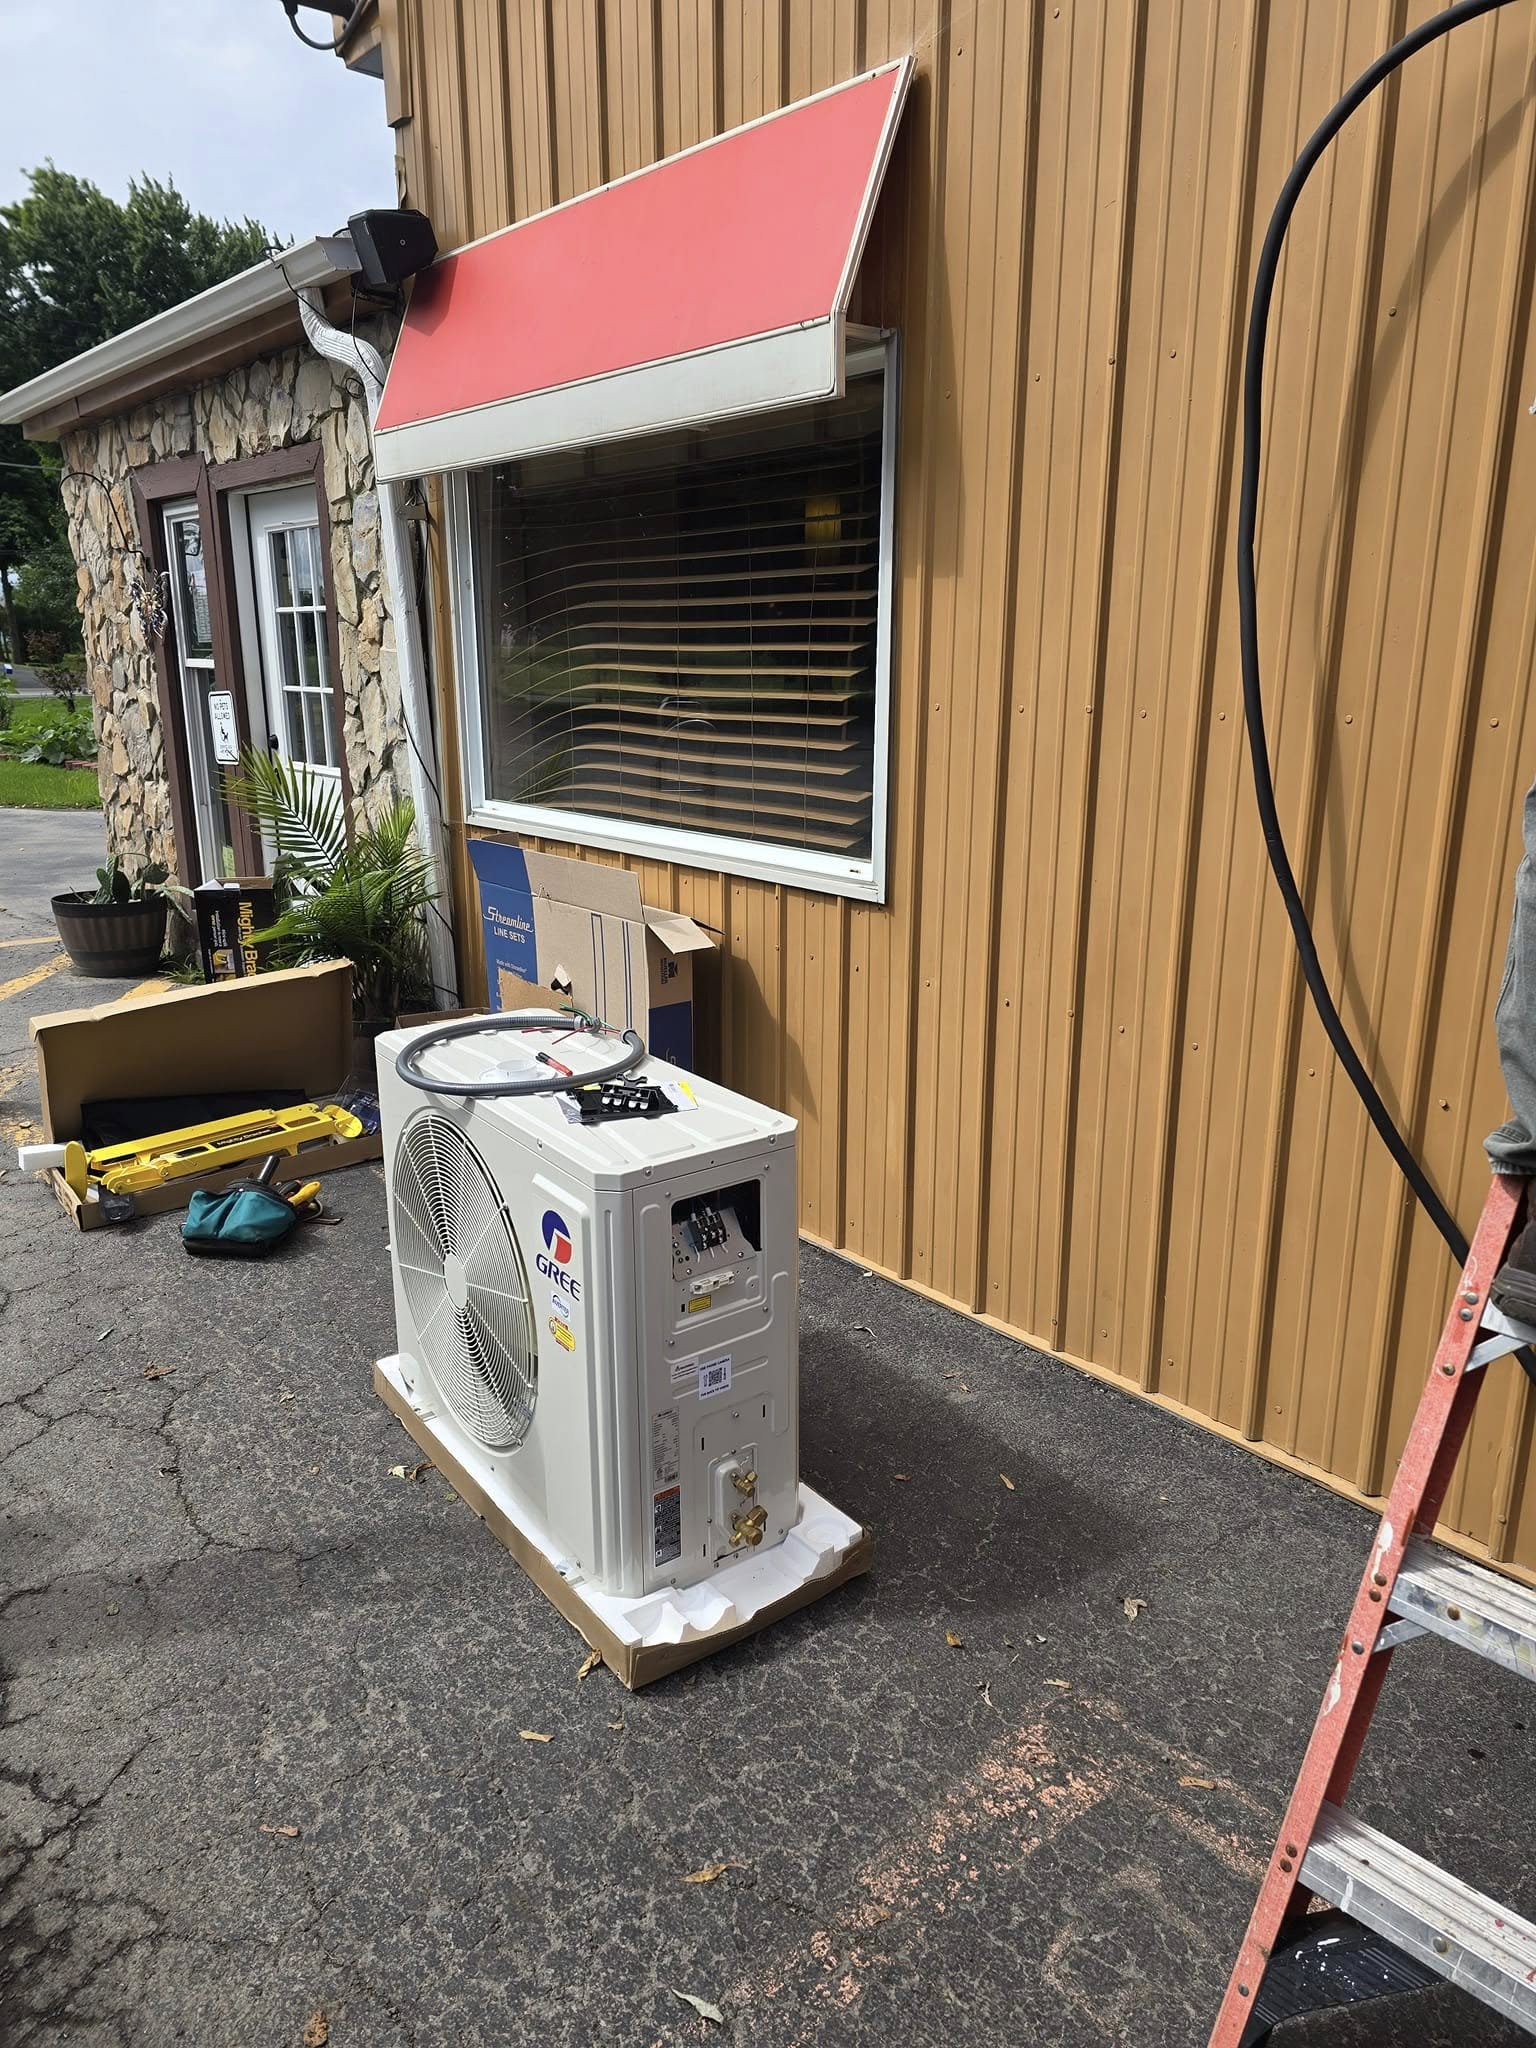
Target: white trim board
x: 760, y: 375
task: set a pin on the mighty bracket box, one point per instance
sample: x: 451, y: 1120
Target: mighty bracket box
x: 291, y: 1029
x: 579, y: 932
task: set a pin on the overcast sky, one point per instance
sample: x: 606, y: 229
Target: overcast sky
x: 218, y: 96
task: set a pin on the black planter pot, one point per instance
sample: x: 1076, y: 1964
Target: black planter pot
x: 113, y: 940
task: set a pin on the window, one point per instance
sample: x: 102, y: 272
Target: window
x: 682, y: 641
x: 207, y: 703
x: 290, y: 602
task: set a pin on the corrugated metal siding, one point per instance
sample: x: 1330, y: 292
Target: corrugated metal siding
x: 1065, y: 1078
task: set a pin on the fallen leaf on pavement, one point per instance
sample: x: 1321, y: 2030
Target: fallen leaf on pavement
x: 1007, y: 1482
x: 286, y: 1394
x: 533, y: 1735
x: 708, y: 1872
x: 862, y: 1329
x: 594, y: 1658
x: 106, y: 1333
x: 701, y: 2006
x: 1063, y: 1684
x: 113, y: 1608
x: 1133, y: 1607
x: 953, y: 1375
x: 318, y: 2032
x: 617, y: 1727
x: 450, y: 1494
x: 158, y: 1372
x: 274, y: 1828
x: 955, y: 1642
x: 901, y: 1475
x: 1199, y: 1784
x: 314, y: 1471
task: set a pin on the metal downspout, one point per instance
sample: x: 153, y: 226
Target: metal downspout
x: 366, y: 364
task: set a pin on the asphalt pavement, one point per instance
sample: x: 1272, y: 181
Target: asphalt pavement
x: 264, y: 1780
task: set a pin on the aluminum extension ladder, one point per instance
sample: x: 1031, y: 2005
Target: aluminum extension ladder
x: 1398, y: 1923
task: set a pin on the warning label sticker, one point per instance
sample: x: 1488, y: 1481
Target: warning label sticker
x: 664, y: 1448
x: 667, y: 1525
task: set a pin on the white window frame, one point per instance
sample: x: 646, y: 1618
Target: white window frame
x: 716, y: 853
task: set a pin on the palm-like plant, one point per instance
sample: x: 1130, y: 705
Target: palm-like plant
x: 366, y: 902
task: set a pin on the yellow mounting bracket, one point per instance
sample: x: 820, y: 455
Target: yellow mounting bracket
x: 205, y: 1148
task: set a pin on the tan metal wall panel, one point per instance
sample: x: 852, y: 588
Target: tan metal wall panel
x: 1065, y: 1078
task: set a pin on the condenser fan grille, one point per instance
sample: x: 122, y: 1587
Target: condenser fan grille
x: 464, y: 1282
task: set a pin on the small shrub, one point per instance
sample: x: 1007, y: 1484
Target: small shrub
x: 71, y: 736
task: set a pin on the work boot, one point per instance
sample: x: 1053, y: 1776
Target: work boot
x: 1514, y: 1285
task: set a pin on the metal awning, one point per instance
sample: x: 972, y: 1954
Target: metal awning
x: 712, y: 284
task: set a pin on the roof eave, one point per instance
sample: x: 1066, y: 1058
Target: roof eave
x: 264, y: 288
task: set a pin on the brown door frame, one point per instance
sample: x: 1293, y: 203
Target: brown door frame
x: 211, y: 485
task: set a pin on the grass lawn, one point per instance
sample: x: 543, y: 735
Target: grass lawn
x: 34, y: 786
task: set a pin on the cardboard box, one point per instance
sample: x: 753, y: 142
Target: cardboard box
x: 228, y: 916
x: 632, y: 1664
x: 579, y: 931
x: 286, y: 1030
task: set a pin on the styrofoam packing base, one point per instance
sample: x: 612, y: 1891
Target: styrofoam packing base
x: 821, y: 1538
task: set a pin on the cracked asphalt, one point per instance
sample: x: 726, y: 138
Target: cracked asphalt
x: 261, y: 1701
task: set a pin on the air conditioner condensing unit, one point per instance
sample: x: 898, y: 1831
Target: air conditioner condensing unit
x: 600, y: 1322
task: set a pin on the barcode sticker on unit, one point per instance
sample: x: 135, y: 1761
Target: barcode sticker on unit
x: 714, y: 1374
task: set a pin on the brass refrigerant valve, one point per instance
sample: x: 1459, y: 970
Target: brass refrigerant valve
x: 744, y: 1482
x: 749, y: 1527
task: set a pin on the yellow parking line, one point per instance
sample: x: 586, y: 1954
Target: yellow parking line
x: 42, y: 939
x: 155, y: 987
x: 23, y: 982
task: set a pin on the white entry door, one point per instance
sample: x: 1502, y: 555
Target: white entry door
x: 289, y: 592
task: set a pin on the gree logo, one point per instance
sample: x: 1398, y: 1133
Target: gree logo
x: 553, y: 1261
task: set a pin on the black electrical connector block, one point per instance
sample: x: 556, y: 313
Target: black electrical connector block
x: 615, y: 1099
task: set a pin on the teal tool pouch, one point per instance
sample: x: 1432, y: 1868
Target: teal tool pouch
x: 245, y: 1221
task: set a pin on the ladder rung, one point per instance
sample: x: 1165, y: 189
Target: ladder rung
x: 1450, y: 1928
x: 1468, y: 1605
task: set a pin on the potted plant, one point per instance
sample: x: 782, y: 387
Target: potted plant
x: 365, y: 900
x: 117, y: 929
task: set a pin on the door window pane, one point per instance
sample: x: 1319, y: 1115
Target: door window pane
x: 191, y: 573
x: 298, y: 587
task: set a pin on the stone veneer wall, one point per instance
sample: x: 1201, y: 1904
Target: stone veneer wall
x: 272, y: 402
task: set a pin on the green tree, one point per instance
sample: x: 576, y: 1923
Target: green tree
x: 75, y: 268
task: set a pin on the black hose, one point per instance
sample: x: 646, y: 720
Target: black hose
x: 1253, y: 697
x: 408, y: 1061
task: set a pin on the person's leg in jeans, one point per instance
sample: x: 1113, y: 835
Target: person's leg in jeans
x: 1512, y: 1147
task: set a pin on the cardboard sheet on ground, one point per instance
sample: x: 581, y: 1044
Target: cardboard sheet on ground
x: 645, y: 1638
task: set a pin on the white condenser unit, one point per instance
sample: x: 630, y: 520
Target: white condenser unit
x: 599, y: 1320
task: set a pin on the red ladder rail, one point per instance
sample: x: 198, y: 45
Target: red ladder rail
x: 1418, y: 1491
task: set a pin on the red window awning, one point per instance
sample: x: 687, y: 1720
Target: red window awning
x: 712, y: 284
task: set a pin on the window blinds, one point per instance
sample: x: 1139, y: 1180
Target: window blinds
x: 683, y: 633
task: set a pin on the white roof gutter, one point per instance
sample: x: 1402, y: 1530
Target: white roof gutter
x: 267, y: 287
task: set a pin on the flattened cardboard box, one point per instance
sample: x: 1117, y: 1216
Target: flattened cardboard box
x: 575, y: 930
x: 634, y: 1664
x: 291, y: 1029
